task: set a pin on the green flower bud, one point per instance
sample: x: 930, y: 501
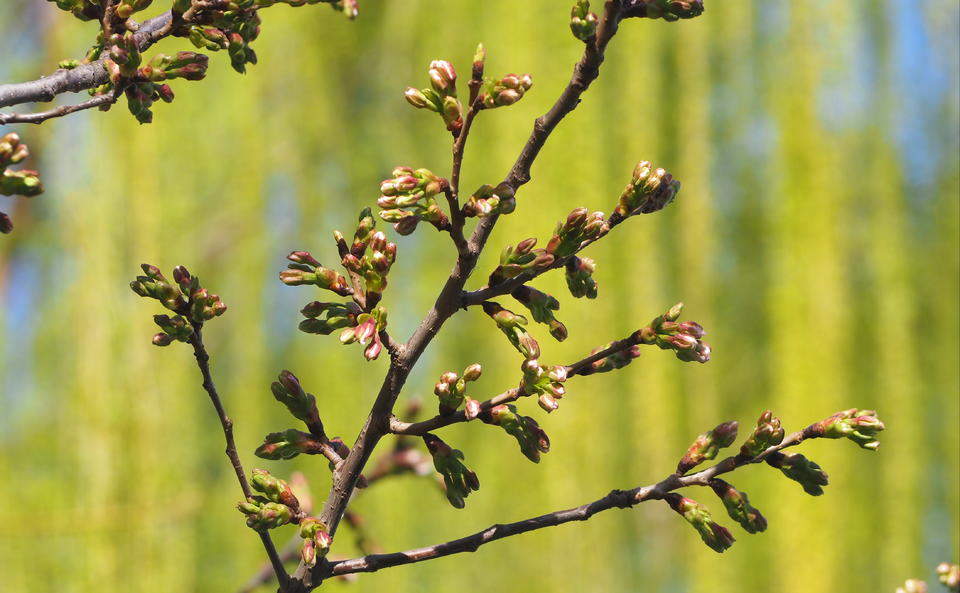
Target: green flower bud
x: 262, y: 516
x: 458, y: 480
x: 532, y: 439
x: 302, y: 405
x: 517, y: 260
x: 542, y: 306
x: 614, y: 361
x: 500, y: 92
x: 860, y: 426
x: 511, y: 325
x: 287, y: 445
x: 649, y: 190
x: 274, y: 489
x: 21, y: 183
x: 579, y: 275
x: 801, y: 470
x: 578, y: 230
x: 707, y: 446
x: 768, y: 433
x: 583, y: 23
x: 738, y: 507
x: 716, y: 536
x: 668, y: 10
x: 316, y: 542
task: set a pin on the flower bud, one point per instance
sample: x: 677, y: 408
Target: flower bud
x: 287, y: 445
x: 738, y: 507
x: 949, y: 575
x: 860, y: 426
x: 717, y: 537
x: 532, y: 439
x: 668, y: 10
x: 801, y: 470
x: 443, y: 78
x: 262, y: 516
x: 913, y: 586
x: 542, y: 306
x: 579, y: 229
x: 650, y: 190
x: 583, y: 23
x: 768, y: 433
x: 302, y: 405
x: 500, y: 92
x: 517, y: 260
x: 707, y: 446
x: 274, y: 489
x: 458, y: 480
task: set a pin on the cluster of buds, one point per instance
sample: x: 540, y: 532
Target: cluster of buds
x: 304, y: 269
x: 458, y: 480
x: 768, y: 433
x: 542, y: 306
x: 683, y: 338
x: 370, y: 257
x: 191, y: 302
x: 738, y: 506
x: 275, y: 505
x: 451, y: 390
x: 20, y: 183
x: 801, y: 470
x: 441, y: 97
x: 580, y: 228
x: 409, y: 196
x: 126, y: 8
x: 145, y: 85
x: 532, y: 439
x: 913, y: 586
x: 316, y: 541
x: 860, y: 426
x: 301, y: 405
x: 649, y: 190
x: 367, y: 332
x: 85, y: 10
x: 716, y: 536
x: 546, y: 382
x: 512, y: 325
x: 175, y: 328
x: 949, y: 575
x: 500, y: 92
x: 325, y: 318
x: 231, y: 25
x: 579, y: 274
x: 288, y: 444
x: 488, y: 200
x: 707, y: 445
x: 668, y: 10
x: 612, y: 362
x: 583, y: 23
x: 519, y: 259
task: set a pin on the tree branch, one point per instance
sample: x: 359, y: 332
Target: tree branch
x: 615, y: 499
x: 203, y: 361
x: 449, y: 300
x: 42, y: 116
x: 83, y: 77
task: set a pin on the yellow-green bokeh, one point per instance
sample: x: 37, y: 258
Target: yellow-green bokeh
x: 816, y: 238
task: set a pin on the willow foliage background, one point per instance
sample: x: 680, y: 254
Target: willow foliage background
x: 816, y: 238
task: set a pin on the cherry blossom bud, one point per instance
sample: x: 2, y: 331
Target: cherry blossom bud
x: 949, y: 575
x: 860, y: 426
x: 738, y: 507
x: 768, y: 433
x: 532, y: 439
x: 458, y: 480
x: 801, y: 470
x: 649, y: 190
x: 668, y: 10
x: 583, y: 23
x: 707, y: 446
x: 717, y: 537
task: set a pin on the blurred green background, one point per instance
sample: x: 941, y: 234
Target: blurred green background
x: 816, y: 238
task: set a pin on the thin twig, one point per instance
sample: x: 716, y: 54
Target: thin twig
x: 203, y: 361
x: 615, y: 499
x: 42, y: 116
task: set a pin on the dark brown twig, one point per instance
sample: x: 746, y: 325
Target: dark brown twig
x: 615, y: 499
x: 42, y: 116
x: 203, y: 361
